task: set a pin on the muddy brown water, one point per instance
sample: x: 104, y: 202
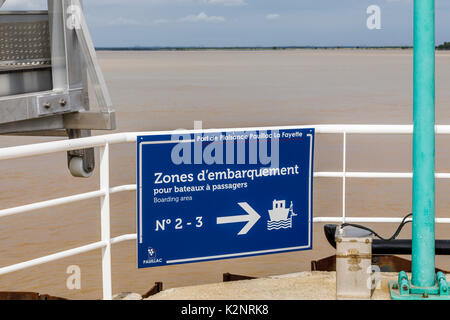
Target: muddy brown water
x: 168, y: 90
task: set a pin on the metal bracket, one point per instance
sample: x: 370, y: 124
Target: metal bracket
x: 404, y: 290
x: 53, y: 104
x: 89, y: 120
x: 57, y: 125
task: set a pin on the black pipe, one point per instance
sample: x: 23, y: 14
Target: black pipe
x: 389, y: 247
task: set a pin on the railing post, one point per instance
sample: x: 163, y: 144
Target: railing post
x: 423, y: 239
x: 344, y: 175
x: 105, y: 222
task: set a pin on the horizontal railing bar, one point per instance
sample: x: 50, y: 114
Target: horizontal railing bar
x: 65, y: 254
x: 128, y: 237
x: 52, y: 257
x: 51, y: 203
x: 348, y: 174
x: 63, y: 145
x: 356, y: 220
x: 369, y: 220
x: 64, y: 200
x: 125, y: 237
x: 128, y: 187
x: 129, y: 137
x: 321, y: 128
x: 399, y: 175
x: 132, y: 187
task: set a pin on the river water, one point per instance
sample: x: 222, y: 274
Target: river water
x: 168, y: 90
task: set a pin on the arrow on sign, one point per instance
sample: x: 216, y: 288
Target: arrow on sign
x: 251, y: 218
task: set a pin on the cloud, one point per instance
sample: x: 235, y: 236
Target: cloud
x: 161, y: 21
x: 227, y: 2
x: 202, y: 17
x: 272, y: 16
x: 121, y: 21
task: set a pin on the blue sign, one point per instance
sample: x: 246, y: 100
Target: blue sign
x: 204, y: 195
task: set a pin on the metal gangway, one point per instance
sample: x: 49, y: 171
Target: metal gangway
x: 48, y: 66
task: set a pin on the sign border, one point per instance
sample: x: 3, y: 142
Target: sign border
x: 231, y: 255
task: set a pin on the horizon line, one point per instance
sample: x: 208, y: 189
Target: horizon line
x: 155, y: 48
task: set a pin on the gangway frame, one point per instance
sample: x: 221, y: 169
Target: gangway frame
x: 50, y: 97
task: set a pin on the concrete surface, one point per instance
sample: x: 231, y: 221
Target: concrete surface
x: 127, y: 296
x: 297, y: 286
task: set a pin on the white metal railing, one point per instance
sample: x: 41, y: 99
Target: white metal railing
x: 104, y: 142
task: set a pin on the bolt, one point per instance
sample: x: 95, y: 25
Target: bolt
x: 405, y: 287
x: 395, y: 286
x: 47, y: 105
x: 63, y: 102
x: 367, y: 240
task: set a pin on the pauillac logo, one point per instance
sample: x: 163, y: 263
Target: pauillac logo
x: 152, y: 258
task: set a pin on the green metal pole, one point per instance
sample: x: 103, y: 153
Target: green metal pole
x: 423, y: 241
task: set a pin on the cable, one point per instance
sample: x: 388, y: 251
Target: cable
x: 394, y: 236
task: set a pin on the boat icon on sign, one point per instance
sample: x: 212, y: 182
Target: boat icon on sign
x: 280, y: 216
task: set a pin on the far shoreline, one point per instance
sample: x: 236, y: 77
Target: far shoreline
x: 273, y: 48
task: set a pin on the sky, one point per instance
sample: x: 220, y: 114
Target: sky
x: 119, y: 23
